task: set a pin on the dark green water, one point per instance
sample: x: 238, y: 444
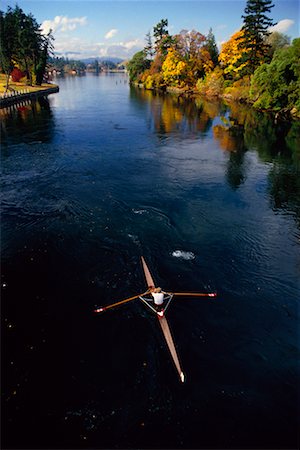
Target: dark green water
x: 97, y: 176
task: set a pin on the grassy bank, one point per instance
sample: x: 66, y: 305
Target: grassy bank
x: 21, y: 86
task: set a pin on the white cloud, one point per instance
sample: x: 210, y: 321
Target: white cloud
x: 110, y: 34
x: 282, y: 26
x: 76, y: 48
x: 62, y: 24
x: 130, y: 44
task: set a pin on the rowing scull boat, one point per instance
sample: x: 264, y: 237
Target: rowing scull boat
x: 163, y: 322
x: 160, y: 313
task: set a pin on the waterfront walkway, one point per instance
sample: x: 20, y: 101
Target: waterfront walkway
x: 18, y: 96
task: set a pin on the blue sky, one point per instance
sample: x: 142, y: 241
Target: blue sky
x: 117, y: 28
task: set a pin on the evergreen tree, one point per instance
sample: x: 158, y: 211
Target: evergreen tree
x: 22, y: 44
x: 160, y: 31
x: 149, y: 47
x: 162, y: 39
x: 255, y: 27
x: 7, y: 42
x: 212, y: 47
x: 42, y: 57
x: 28, y: 40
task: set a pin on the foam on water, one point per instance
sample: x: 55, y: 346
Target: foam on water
x: 184, y: 255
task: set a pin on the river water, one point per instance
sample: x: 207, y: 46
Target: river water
x: 100, y: 174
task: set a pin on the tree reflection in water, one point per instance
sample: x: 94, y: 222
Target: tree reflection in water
x: 238, y: 129
x: 276, y: 142
x: 177, y: 114
x: 31, y: 122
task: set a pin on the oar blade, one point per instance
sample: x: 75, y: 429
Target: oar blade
x: 195, y: 294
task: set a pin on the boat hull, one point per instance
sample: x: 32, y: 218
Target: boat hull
x: 162, y: 321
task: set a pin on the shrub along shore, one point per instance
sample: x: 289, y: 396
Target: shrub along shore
x: 235, y: 93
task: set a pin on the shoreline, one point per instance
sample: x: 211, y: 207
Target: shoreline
x: 12, y: 97
x: 289, y: 114
x: 284, y: 113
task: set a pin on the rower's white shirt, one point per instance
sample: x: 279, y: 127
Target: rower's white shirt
x: 158, y: 297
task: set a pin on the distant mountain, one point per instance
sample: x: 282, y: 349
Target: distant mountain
x: 112, y: 59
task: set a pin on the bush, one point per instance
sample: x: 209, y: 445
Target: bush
x: 239, y: 90
x: 158, y: 81
x: 17, y: 74
x: 149, y: 82
x: 277, y: 85
x: 137, y: 65
x: 212, y: 84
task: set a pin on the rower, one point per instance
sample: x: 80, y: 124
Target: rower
x: 158, y: 296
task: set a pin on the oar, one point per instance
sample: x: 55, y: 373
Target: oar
x: 195, y: 294
x: 104, y: 308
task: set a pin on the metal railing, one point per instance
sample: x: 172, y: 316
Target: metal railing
x: 14, y: 93
x: 11, y: 97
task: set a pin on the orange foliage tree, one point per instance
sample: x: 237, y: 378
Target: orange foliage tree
x: 153, y: 78
x: 232, y: 55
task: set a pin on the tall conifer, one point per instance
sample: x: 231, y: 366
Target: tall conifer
x: 23, y: 45
x: 162, y: 39
x: 212, y: 47
x: 149, y: 46
x: 255, y: 27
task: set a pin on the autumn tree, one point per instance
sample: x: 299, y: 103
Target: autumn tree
x: 233, y: 56
x: 255, y: 27
x: 174, y: 68
x: 191, y: 45
x: 152, y: 78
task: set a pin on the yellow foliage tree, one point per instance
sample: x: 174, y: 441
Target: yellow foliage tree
x: 231, y: 55
x: 174, y: 68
